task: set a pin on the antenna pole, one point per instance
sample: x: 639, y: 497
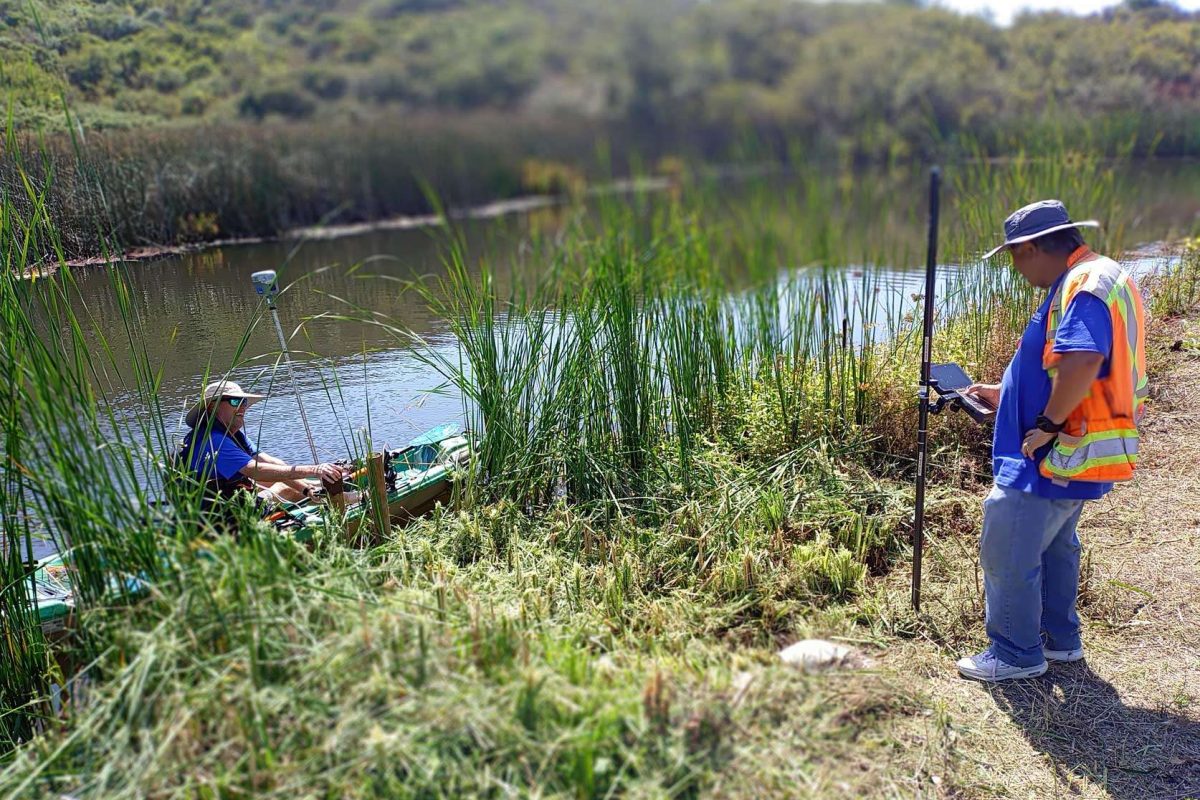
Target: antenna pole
x: 265, y: 285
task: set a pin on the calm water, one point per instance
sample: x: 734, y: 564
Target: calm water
x: 195, y: 309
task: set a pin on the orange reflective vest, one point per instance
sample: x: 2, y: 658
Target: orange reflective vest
x: 1100, y: 439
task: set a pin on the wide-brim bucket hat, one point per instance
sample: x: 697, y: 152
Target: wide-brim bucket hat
x: 215, y: 391
x: 1035, y: 220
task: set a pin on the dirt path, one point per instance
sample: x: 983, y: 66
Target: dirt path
x: 1124, y: 723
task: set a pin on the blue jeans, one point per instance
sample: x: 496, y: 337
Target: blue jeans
x: 1030, y: 559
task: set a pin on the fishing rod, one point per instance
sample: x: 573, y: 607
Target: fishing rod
x: 265, y: 285
x: 918, y: 538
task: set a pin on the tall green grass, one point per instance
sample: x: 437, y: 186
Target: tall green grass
x: 70, y: 477
x: 611, y: 384
x: 85, y: 452
x: 648, y: 337
x: 1175, y: 288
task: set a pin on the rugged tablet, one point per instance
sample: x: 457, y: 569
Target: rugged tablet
x: 948, y: 380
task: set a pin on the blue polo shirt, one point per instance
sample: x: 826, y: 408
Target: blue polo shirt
x: 1025, y: 390
x: 220, y: 454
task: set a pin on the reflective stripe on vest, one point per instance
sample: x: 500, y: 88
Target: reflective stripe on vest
x: 1100, y: 439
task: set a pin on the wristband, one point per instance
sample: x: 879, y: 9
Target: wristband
x: 1044, y: 423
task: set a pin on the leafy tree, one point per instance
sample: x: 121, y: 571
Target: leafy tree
x: 833, y: 72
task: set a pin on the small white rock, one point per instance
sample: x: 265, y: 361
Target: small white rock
x: 818, y: 655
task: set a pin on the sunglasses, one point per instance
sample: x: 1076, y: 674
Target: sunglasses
x: 236, y: 402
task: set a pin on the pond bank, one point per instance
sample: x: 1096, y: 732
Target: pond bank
x: 495, y: 209
x: 421, y: 649
x: 491, y: 210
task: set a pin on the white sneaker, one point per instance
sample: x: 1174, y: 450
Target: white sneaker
x: 1063, y: 655
x: 987, y: 667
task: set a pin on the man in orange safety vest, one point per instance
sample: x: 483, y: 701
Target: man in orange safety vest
x: 1066, y: 430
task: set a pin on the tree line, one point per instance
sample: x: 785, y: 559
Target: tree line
x: 879, y: 77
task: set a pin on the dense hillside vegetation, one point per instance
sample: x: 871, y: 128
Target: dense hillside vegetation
x: 209, y: 119
x: 880, y: 72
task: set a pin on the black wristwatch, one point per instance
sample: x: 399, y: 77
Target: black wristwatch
x: 1044, y: 423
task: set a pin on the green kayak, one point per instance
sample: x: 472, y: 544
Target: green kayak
x: 416, y: 476
x: 52, y: 587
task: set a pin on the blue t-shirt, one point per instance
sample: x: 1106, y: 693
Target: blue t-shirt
x: 1025, y: 390
x: 222, y: 454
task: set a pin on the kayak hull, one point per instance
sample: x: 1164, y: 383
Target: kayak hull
x: 418, y: 477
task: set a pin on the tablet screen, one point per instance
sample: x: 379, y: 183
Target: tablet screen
x: 950, y: 377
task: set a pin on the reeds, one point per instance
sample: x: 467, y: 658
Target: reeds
x: 69, y: 476
x: 648, y: 338
x: 176, y: 186
x: 1175, y: 286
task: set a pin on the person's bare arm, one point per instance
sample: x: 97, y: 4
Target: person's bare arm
x: 987, y: 392
x: 1076, y: 372
x: 265, y: 471
x: 299, y: 484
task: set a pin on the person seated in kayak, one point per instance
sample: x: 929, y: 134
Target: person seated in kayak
x: 216, y: 451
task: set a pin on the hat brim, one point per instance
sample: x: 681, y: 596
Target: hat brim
x: 1087, y: 223
x: 192, y: 417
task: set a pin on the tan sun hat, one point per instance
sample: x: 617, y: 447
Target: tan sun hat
x: 214, y: 392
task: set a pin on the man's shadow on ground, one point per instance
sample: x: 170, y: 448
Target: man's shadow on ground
x: 1077, y: 719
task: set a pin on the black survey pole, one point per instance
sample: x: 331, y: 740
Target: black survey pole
x: 918, y: 541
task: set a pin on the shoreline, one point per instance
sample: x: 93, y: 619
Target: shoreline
x: 495, y: 209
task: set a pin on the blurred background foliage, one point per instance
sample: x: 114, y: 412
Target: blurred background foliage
x: 882, y: 75
x: 261, y: 116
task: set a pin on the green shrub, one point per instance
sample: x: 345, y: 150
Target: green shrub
x: 391, y: 9
x: 193, y: 103
x: 114, y: 25
x: 325, y: 85
x: 286, y: 102
x: 168, y: 79
x: 90, y: 70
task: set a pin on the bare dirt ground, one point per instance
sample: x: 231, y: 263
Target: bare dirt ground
x: 1125, y: 722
